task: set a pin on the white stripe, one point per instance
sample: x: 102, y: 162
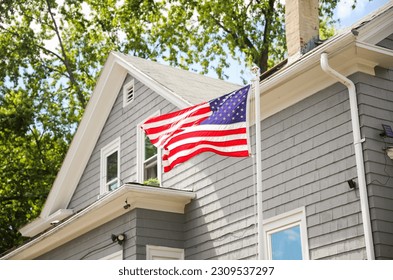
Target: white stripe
x: 211, y: 127
x: 190, y: 151
x: 174, y: 119
x: 175, y: 127
x: 208, y: 138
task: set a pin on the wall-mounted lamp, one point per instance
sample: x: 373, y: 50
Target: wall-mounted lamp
x: 120, y: 238
x: 126, y: 205
x: 387, y: 131
x: 351, y: 184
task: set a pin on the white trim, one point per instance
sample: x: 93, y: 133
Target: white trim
x: 140, y: 150
x: 127, y: 100
x: 284, y: 221
x: 379, y: 26
x: 115, y: 256
x: 109, y: 149
x: 163, y: 253
x: 159, y: 88
x: 106, y: 209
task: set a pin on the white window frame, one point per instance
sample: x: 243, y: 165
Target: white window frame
x: 115, y: 256
x: 126, y: 87
x: 161, y: 253
x: 105, y: 152
x: 140, y: 135
x: 284, y: 221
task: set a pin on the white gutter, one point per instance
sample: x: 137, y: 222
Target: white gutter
x: 357, y: 141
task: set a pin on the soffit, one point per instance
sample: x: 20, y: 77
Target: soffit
x: 102, y: 211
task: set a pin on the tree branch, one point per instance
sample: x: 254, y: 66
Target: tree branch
x: 81, y: 98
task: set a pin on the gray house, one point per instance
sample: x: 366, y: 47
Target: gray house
x: 321, y: 198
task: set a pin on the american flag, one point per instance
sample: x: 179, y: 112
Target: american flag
x: 218, y: 126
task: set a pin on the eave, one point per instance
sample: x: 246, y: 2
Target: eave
x: 102, y: 211
x: 305, y: 77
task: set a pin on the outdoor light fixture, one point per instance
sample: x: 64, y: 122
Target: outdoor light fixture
x: 351, y: 184
x: 120, y: 238
x: 126, y: 205
x: 387, y: 131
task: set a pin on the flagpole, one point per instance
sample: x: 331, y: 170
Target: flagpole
x: 258, y: 159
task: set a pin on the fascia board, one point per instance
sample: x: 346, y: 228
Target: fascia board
x: 86, y: 136
x: 153, y: 84
x: 379, y: 27
x: 304, y: 78
x: 104, y: 210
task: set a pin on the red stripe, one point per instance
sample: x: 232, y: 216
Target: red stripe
x: 188, y: 146
x: 202, y: 150
x: 171, y: 115
x: 158, y: 129
x: 206, y: 133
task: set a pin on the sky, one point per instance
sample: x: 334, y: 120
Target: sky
x: 348, y: 16
x: 343, y: 12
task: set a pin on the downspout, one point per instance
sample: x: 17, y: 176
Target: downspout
x: 357, y: 142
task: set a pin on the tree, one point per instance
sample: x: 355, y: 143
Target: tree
x: 52, y: 52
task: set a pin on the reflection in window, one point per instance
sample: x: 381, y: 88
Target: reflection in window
x: 286, y: 236
x: 112, y: 181
x: 286, y: 244
x: 110, y: 167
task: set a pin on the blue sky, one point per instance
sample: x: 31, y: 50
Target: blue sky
x: 348, y: 16
x: 344, y: 13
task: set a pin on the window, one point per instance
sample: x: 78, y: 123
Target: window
x: 128, y: 93
x: 115, y: 256
x: 149, y: 167
x: 163, y: 253
x: 286, y: 236
x: 150, y: 160
x: 110, y: 166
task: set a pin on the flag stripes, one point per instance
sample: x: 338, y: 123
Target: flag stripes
x: 217, y: 126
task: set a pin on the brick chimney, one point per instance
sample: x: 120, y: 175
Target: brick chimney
x: 302, y: 26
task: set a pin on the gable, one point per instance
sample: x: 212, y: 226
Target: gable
x: 121, y: 124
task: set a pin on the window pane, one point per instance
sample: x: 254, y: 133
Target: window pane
x: 150, y: 167
x: 150, y: 149
x: 286, y: 244
x: 111, y: 167
x: 113, y: 185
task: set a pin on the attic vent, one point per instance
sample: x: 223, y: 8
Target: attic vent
x: 128, y: 93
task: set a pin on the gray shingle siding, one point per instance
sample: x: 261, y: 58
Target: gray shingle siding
x: 376, y: 108
x: 308, y: 157
x: 122, y: 122
x: 387, y: 42
x: 142, y: 227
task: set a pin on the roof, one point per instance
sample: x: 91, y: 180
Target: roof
x: 189, y: 86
